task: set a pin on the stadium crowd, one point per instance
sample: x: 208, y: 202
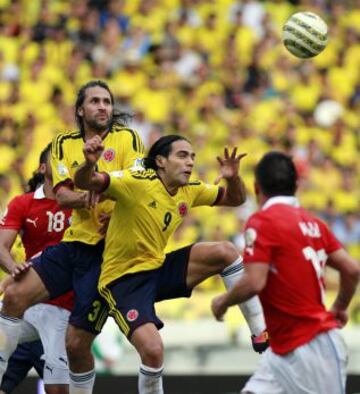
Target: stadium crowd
x: 214, y: 71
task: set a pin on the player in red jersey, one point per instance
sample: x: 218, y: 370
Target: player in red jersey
x: 38, y: 219
x: 286, y: 251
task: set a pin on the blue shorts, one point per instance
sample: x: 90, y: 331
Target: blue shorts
x: 131, y: 298
x: 26, y: 356
x: 75, y: 266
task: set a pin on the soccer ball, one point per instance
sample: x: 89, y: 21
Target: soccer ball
x: 305, y: 35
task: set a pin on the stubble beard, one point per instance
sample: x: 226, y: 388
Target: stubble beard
x: 97, y: 126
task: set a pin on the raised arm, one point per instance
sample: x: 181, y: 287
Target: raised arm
x: 349, y: 270
x: 67, y: 198
x: 235, y: 193
x: 86, y: 176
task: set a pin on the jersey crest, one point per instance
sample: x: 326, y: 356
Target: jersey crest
x: 183, y: 209
x: 109, y: 155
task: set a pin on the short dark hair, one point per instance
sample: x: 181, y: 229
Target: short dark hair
x: 276, y: 174
x: 161, y: 147
x: 119, y: 118
x: 38, y: 178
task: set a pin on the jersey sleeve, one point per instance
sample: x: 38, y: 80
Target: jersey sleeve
x: 204, y: 193
x: 14, y: 215
x: 259, y: 241
x: 133, y: 149
x: 59, y: 166
x: 121, y: 186
x: 331, y: 242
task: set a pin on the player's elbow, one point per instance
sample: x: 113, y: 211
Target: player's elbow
x: 353, y: 272
x: 257, y: 285
x: 234, y: 201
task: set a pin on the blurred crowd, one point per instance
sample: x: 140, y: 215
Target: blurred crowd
x: 212, y: 70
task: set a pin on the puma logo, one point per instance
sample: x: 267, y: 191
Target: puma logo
x: 32, y: 221
x: 50, y: 369
x: 63, y: 360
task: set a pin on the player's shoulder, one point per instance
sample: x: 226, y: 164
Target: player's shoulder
x: 260, y: 218
x: 130, y: 135
x: 23, y: 199
x: 21, y: 202
x: 62, y: 139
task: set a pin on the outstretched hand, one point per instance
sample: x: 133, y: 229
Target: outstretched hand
x: 93, y: 149
x: 229, y: 164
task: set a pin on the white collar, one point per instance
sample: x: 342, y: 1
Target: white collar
x: 287, y: 200
x: 39, y: 193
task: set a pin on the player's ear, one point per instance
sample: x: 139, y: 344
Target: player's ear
x: 80, y: 111
x: 160, y: 161
x: 42, y: 168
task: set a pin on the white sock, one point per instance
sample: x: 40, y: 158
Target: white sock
x: 251, y: 309
x: 150, y: 380
x: 82, y: 383
x: 10, y: 328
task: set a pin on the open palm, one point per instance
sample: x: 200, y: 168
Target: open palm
x: 229, y: 164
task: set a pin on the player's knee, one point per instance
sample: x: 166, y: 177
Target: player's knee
x: 56, y: 389
x: 16, y: 300
x: 152, y: 354
x: 226, y: 253
x: 76, y: 347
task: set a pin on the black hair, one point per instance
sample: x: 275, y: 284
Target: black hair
x: 38, y: 178
x: 118, y: 118
x: 276, y: 174
x: 161, y: 147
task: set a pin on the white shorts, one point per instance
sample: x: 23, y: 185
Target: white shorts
x: 318, y: 367
x: 49, y: 323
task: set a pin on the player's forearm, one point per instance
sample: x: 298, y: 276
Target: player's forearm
x: 243, y: 290
x: 86, y: 178
x: 7, y: 263
x: 235, y: 193
x: 347, y: 288
x: 67, y: 198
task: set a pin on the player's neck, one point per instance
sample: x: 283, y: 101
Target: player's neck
x: 48, y: 190
x: 89, y: 133
x: 171, y: 188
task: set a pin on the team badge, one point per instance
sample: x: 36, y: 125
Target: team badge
x: 183, y: 209
x: 132, y: 315
x: 250, y: 237
x: 62, y: 170
x: 109, y: 155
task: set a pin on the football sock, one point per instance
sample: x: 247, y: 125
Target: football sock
x: 82, y: 383
x: 251, y: 309
x: 10, y: 328
x: 150, y: 380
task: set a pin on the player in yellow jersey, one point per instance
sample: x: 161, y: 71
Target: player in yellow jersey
x: 75, y: 262
x: 150, y: 205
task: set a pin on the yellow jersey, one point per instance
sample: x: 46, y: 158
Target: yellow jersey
x: 123, y: 149
x: 144, y: 217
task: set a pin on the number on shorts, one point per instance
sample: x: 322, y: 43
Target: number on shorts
x: 167, y: 220
x: 56, y: 221
x: 318, y: 260
x: 92, y: 316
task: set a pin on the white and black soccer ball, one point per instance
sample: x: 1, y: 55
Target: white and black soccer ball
x: 305, y: 35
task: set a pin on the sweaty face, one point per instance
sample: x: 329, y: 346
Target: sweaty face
x: 96, y: 110
x: 179, y: 164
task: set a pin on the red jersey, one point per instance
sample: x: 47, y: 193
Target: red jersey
x: 40, y: 223
x: 295, y: 244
